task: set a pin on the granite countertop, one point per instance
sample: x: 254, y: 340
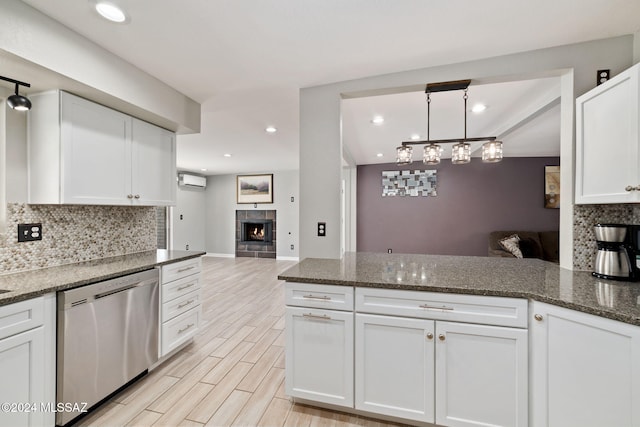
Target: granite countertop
x: 507, y: 277
x: 30, y: 284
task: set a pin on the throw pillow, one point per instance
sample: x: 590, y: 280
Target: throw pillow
x: 510, y: 244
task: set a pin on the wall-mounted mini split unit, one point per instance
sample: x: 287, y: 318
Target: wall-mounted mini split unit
x: 194, y: 181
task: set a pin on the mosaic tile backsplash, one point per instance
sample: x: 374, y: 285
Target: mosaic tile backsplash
x: 585, y: 217
x: 74, y: 234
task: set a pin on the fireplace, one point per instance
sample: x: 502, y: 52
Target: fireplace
x: 256, y: 231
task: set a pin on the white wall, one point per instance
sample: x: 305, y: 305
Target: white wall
x: 221, y: 209
x: 320, y: 138
x: 189, y: 220
x: 16, y: 155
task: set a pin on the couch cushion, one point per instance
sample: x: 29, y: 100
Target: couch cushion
x: 529, y: 243
x: 550, y: 245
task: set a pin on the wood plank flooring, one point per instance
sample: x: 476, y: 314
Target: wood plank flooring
x: 233, y: 372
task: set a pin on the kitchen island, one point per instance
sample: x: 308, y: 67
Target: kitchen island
x: 463, y: 341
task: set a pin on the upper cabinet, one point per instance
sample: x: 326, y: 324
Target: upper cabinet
x: 81, y: 152
x: 607, y: 139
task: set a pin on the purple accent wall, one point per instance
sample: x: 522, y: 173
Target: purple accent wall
x: 473, y: 200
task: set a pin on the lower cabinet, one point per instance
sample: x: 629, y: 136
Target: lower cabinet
x: 585, y: 370
x: 319, y: 355
x: 27, y: 362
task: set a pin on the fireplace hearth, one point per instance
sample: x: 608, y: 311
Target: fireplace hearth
x: 256, y: 233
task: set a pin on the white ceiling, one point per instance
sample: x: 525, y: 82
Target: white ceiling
x: 246, y: 60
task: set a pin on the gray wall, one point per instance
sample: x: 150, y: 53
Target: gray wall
x: 472, y: 201
x: 190, y: 229
x: 320, y: 133
x: 221, y: 213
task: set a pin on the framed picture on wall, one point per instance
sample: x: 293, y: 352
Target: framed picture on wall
x: 552, y: 187
x: 255, y: 188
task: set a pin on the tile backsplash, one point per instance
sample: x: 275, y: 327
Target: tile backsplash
x: 75, y: 233
x: 585, y: 217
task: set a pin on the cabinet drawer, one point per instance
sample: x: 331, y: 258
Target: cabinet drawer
x: 440, y: 306
x: 178, y: 270
x: 21, y: 316
x: 178, y: 288
x: 180, y: 305
x: 319, y: 296
x: 179, y: 329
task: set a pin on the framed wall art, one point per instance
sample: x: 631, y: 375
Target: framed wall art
x: 552, y: 187
x: 254, y: 188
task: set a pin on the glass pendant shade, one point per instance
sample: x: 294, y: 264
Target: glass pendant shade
x: 492, y: 151
x: 431, y: 154
x: 404, y: 155
x: 461, y: 153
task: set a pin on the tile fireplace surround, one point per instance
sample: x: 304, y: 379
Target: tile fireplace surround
x: 255, y: 250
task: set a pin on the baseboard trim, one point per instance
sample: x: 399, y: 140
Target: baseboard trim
x: 288, y: 258
x: 212, y: 254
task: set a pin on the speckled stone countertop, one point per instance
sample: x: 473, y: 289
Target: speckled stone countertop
x: 507, y: 277
x: 29, y: 284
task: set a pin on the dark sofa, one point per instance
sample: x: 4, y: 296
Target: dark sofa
x: 533, y: 244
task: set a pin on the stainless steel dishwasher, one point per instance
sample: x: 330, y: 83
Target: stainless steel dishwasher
x: 107, y: 335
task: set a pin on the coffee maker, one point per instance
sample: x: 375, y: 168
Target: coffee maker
x: 618, y: 246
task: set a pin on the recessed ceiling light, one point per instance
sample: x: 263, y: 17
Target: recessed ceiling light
x: 377, y: 120
x: 479, y: 108
x: 203, y: 170
x: 110, y: 11
x: 379, y: 155
x: 415, y: 137
x: 227, y: 155
x: 271, y: 129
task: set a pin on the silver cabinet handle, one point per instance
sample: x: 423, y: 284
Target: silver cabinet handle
x: 433, y: 307
x: 629, y: 188
x: 310, y: 296
x: 185, y: 269
x: 538, y: 317
x: 137, y: 196
x: 429, y: 336
x: 185, y: 287
x: 441, y: 337
x: 186, y: 303
x: 129, y: 196
x: 190, y: 325
x: 315, y: 316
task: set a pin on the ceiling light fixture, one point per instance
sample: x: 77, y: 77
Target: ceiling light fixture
x: 461, y: 150
x: 377, y: 120
x: 379, y: 155
x: 271, y: 129
x: 415, y: 137
x: 227, y: 155
x: 17, y: 101
x: 478, y: 108
x: 111, y: 12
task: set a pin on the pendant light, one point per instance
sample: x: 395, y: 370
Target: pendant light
x: 461, y: 149
x: 17, y: 101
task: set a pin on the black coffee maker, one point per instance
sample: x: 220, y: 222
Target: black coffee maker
x: 618, y: 248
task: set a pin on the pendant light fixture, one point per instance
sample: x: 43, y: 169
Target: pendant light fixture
x: 17, y: 101
x: 461, y: 149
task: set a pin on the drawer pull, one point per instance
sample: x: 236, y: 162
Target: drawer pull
x: 186, y: 303
x: 538, y: 317
x: 189, y: 326
x: 429, y: 336
x: 182, y: 270
x: 315, y: 316
x: 433, y: 307
x: 323, y: 298
x: 186, y: 287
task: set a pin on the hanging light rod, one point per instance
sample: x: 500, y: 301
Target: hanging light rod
x: 17, y: 101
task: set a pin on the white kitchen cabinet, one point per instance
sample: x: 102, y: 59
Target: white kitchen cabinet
x: 180, y: 304
x: 81, y: 152
x: 394, y: 366
x: 27, y: 362
x: 585, y: 369
x: 481, y: 375
x: 319, y: 343
x: 607, y: 140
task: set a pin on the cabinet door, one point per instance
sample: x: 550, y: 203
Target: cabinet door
x: 481, y: 375
x: 154, y: 165
x: 394, y: 366
x: 607, y: 155
x: 22, y: 370
x: 319, y: 355
x: 96, y: 153
x: 585, y: 369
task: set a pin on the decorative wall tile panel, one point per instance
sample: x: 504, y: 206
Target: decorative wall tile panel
x: 74, y: 234
x: 409, y: 183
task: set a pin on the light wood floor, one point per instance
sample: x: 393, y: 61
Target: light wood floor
x: 233, y: 373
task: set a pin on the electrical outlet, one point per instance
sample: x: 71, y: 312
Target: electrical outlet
x: 29, y: 232
x: 291, y: 247
x: 389, y: 250
x: 181, y: 217
x: 322, y: 229
x: 187, y: 247
x: 603, y: 76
